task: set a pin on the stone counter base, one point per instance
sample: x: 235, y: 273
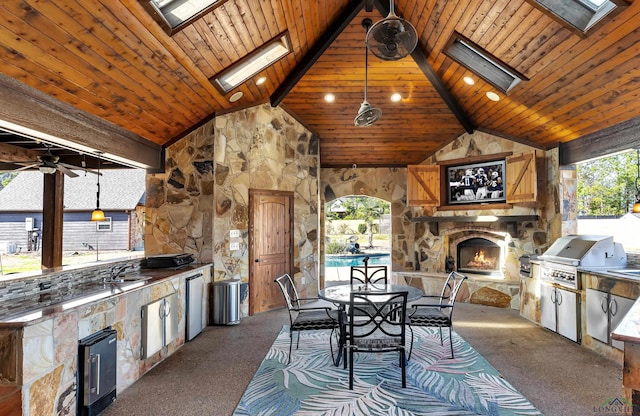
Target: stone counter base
x: 480, y: 290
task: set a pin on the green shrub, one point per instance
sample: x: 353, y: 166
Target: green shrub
x: 335, y: 247
x: 362, y: 228
x: 344, y: 229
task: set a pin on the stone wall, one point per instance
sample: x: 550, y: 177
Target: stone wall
x: 204, y: 192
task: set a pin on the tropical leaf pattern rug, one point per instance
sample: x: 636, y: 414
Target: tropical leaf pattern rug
x: 436, y: 384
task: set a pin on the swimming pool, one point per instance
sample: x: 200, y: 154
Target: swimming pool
x: 340, y: 260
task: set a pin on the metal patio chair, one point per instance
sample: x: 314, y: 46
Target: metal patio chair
x: 438, y: 312
x: 303, y: 318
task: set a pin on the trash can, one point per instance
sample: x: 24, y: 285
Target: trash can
x: 226, y: 302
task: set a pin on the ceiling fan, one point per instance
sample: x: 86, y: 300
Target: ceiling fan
x: 392, y: 38
x: 367, y: 115
x: 48, y: 163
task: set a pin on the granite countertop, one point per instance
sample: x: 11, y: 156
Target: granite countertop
x: 22, y: 311
x: 618, y: 272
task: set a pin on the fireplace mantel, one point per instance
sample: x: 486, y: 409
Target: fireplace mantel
x: 478, y: 218
x: 510, y: 220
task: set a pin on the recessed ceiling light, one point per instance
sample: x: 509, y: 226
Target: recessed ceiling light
x: 396, y: 97
x: 493, y: 96
x: 469, y: 80
x: 261, y: 80
x: 236, y: 96
x: 329, y: 98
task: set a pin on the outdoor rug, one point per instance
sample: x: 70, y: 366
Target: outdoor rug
x: 436, y: 384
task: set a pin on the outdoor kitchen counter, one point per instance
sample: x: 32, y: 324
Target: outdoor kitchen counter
x: 41, y: 306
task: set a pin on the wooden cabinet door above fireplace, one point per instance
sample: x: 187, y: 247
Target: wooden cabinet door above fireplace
x: 427, y: 185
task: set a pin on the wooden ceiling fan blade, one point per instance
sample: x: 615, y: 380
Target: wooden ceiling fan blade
x: 66, y: 171
x: 26, y: 167
x: 66, y: 165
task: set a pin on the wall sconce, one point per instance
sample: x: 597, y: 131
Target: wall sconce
x: 98, y: 214
x: 263, y: 57
x: 636, y: 206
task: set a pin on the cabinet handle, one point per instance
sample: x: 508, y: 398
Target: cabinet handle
x: 559, y: 297
x: 613, y: 307
x: 98, y: 374
x: 603, y: 304
x: 554, y: 298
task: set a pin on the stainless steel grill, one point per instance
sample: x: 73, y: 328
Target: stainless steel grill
x: 560, y: 263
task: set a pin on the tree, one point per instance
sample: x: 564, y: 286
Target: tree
x: 607, y: 186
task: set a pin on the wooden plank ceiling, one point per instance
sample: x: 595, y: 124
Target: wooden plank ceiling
x: 112, y: 60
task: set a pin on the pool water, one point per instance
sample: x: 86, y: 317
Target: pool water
x: 340, y: 260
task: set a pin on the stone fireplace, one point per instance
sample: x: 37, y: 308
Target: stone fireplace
x: 479, y: 255
x: 477, y: 251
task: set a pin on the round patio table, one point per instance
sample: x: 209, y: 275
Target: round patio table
x: 341, y: 295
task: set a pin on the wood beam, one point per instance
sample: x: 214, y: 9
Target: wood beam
x: 11, y: 153
x: 618, y: 138
x: 27, y: 111
x: 421, y: 60
x: 52, y: 218
x: 316, y: 51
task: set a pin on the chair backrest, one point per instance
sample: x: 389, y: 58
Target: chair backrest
x: 378, y: 315
x: 368, y: 274
x: 450, y: 290
x: 285, y: 282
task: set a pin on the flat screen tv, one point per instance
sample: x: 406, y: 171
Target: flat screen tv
x: 476, y: 183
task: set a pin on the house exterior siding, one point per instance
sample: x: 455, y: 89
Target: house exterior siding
x: 78, y: 231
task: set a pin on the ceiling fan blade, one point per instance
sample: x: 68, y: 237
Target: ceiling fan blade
x: 66, y: 165
x: 25, y: 167
x: 66, y: 171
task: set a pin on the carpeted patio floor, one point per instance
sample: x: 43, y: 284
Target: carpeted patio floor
x: 209, y: 375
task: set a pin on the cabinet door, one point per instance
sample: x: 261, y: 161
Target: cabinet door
x: 521, y: 178
x: 170, y: 318
x: 598, y: 315
x: 423, y: 185
x: 152, y: 328
x: 568, y: 315
x: 548, y: 307
x: 618, y: 308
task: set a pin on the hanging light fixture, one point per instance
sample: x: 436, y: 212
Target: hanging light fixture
x: 98, y: 214
x: 636, y: 206
x: 367, y: 115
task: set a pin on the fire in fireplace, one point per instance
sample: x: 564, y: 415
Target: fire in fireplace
x: 478, y: 255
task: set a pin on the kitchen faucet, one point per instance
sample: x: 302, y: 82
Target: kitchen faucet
x: 115, y: 273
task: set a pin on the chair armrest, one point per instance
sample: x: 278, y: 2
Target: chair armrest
x: 308, y: 299
x: 430, y: 305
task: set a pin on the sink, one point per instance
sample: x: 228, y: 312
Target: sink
x: 128, y: 279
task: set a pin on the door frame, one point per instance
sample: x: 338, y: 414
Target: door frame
x: 252, y: 194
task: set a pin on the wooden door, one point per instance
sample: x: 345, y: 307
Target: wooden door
x: 270, y: 246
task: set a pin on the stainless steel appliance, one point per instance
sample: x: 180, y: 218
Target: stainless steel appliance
x: 159, y: 324
x: 97, y: 355
x: 560, y: 296
x: 560, y: 263
x: 195, y: 285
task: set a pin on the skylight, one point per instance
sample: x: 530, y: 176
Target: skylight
x: 173, y: 15
x: 482, y: 63
x: 579, y: 15
x: 261, y: 58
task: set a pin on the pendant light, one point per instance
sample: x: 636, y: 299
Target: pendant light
x: 636, y: 206
x: 367, y: 115
x: 98, y: 214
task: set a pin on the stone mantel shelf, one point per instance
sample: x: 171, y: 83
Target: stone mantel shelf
x: 510, y: 220
x: 478, y: 218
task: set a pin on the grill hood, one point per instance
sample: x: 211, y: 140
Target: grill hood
x: 586, y: 251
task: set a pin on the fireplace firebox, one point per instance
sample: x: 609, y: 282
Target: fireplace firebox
x: 478, y: 255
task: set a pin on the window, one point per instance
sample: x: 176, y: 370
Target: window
x: 104, y: 225
x: 579, y: 15
x: 482, y: 63
x: 174, y: 15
